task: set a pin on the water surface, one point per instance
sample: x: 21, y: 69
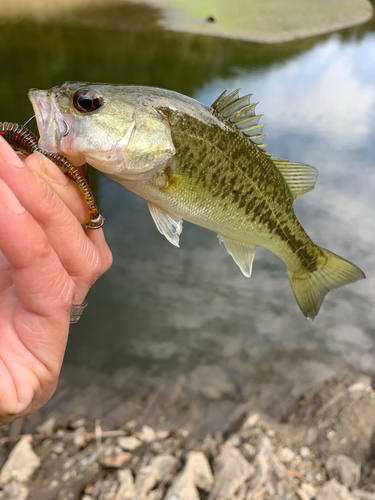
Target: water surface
x: 179, y: 335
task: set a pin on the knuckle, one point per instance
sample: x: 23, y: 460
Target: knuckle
x: 42, y: 248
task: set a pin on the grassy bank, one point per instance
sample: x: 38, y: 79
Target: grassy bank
x: 266, y: 21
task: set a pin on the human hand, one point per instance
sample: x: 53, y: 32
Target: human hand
x: 47, y: 263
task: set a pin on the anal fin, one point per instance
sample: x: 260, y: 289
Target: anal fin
x: 242, y: 254
x: 166, y: 224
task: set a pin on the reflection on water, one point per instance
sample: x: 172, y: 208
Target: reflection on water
x: 180, y: 332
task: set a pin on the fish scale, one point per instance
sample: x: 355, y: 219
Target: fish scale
x: 201, y: 165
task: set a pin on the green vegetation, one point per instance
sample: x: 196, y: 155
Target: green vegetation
x: 265, y: 21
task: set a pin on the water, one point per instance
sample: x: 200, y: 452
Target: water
x: 179, y: 335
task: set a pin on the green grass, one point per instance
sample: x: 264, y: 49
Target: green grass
x: 264, y: 20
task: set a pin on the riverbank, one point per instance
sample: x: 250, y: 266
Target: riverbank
x: 323, y: 448
x: 256, y: 21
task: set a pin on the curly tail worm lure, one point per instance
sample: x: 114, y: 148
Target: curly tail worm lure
x: 19, y: 137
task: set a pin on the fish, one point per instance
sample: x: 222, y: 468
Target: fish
x: 207, y: 165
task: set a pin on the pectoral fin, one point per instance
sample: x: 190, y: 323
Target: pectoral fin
x: 243, y: 255
x: 166, y: 224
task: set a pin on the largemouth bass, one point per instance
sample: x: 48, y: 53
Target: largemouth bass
x: 206, y: 165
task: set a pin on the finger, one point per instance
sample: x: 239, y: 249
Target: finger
x: 78, y: 254
x: 59, y: 182
x: 66, y: 188
x: 8, y: 154
x: 70, y: 193
x: 42, y: 283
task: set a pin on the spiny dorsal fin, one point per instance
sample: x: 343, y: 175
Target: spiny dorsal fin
x: 240, y: 114
x: 300, y: 178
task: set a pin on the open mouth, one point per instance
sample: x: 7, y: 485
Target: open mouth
x: 51, y: 125
x: 41, y: 103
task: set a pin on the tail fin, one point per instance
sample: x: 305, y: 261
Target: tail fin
x: 310, y: 288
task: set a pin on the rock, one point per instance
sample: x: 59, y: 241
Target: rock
x: 126, y: 490
x: 309, y: 490
x: 286, y: 455
x: 161, y: 435
x: 344, y: 469
x: 271, y: 433
x: 130, y: 426
x: 372, y: 445
x: 147, y: 434
x: 157, y: 494
x: 259, y: 482
x: 111, y: 450
x: 319, y: 478
x: 21, y: 464
x: 331, y: 434
x: 234, y: 440
x: 88, y: 460
x: 363, y: 495
x: 333, y: 491
x: 231, y: 470
x: 304, y: 452
x: 312, y: 434
x: 105, y: 488
x: 129, y: 443
x: 14, y: 491
x: 360, y: 386
x: 117, y: 461
x: 251, y: 421
x: 249, y: 451
x: 198, y: 465
x: 48, y: 427
x: 78, y: 423
x: 58, y: 448
x: 79, y: 438
x: 209, y: 445
x: 183, y: 487
x: 160, y: 468
x: 156, y: 447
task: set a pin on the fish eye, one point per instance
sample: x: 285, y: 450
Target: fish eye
x: 87, y: 100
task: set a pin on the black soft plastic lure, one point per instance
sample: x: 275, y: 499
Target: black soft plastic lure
x: 19, y: 137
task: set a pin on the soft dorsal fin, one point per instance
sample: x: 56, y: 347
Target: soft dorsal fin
x: 166, y: 224
x: 240, y: 114
x: 242, y: 254
x: 300, y: 178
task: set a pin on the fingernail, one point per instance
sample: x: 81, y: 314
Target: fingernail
x: 52, y: 171
x: 9, y: 200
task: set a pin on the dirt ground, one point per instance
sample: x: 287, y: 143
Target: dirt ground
x: 322, y: 449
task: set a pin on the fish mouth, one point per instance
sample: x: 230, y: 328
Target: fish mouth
x: 51, y: 125
x: 41, y: 104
